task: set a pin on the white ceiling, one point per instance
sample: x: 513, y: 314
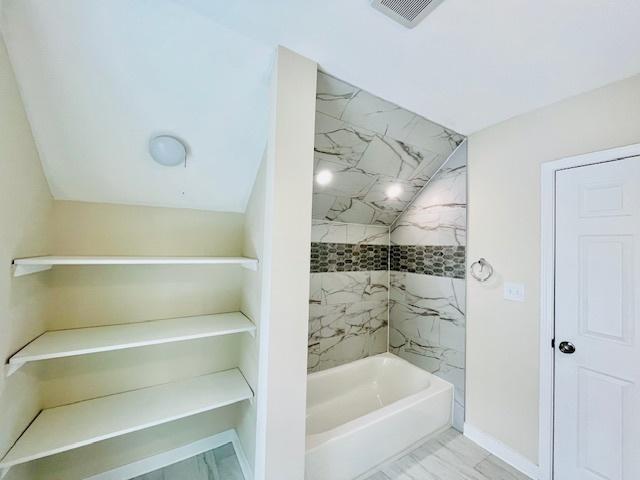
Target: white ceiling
x: 100, y: 77
x: 469, y: 64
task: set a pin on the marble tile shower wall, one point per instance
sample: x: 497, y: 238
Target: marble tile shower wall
x: 349, y: 295
x: 427, y: 279
x: 369, y: 144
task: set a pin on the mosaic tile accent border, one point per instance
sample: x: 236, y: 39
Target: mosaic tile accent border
x: 436, y: 260
x: 344, y: 257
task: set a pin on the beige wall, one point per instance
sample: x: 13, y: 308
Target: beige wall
x: 85, y: 296
x: 282, y: 385
x: 89, y: 296
x: 254, y: 247
x: 504, y: 227
x: 25, y: 205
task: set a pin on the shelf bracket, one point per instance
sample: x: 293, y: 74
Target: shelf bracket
x: 12, y: 368
x: 251, y: 266
x: 20, y: 270
x: 4, y: 471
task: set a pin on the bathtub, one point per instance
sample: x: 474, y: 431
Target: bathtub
x: 364, y: 412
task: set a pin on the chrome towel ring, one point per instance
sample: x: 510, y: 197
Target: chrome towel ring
x: 481, y: 270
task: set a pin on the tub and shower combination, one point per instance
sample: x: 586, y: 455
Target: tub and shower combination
x: 367, y: 411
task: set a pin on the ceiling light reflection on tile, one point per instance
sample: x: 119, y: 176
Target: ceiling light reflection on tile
x: 394, y: 191
x: 380, y: 155
x: 324, y: 177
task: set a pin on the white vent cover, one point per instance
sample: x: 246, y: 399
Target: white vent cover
x: 407, y: 12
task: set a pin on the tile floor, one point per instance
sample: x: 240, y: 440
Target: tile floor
x: 449, y: 456
x: 218, y: 464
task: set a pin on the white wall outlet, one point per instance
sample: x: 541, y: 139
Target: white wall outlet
x: 514, y: 291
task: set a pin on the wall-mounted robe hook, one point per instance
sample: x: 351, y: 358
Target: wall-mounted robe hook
x: 481, y: 270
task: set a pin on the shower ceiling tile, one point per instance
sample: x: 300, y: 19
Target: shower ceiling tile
x: 322, y: 203
x: 347, y: 181
x: 382, y: 117
x: 351, y: 210
x: 377, y: 195
x: 333, y: 95
x: 430, y: 135
x: 386, y: 156
x: 340, y: 142
x: 370, y: 144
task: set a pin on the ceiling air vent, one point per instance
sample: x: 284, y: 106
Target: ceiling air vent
x: 407, y: 12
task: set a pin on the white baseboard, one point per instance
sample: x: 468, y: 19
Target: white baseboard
x: 161, y: 460
x: 500, y: 450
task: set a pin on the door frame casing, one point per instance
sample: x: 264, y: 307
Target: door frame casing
x: 547, y: 291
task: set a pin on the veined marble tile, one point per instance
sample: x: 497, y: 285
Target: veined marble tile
x: 438, y: 216
x: 377, y: 195
x: 351, y: 210
x: 426, y: 134
x: 367, y: 234
x: 328, y: 232
x: 374, y: 113
x: 392, y: 158
x: 315, y: 288
x: 363, y: 141
x: 358, y: 195
x: 333, y: 95
x: 347, y: 182
x: 339, y: 141
x: 343, y: 333
x: 427, y: 327
x: 343, y: 101
x: 321, y: 205
x: 338, y: 288
x: 325, y: 231
x: 445, y: 295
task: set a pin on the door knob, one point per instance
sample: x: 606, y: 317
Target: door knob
x: 567, y: 347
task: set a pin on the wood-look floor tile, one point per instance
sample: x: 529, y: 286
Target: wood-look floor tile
x: 448, y: 456
x: 377, y: 476
x: 495, y: 469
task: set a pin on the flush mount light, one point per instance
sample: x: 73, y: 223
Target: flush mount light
x: 167, y: 150
x: 394, y: 191
x: 324, y: 177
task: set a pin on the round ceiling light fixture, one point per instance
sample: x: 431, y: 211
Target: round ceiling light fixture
x: 168, y: 150
x: 394, y: 191
x: 324, y: 177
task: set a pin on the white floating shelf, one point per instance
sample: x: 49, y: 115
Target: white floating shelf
x: 25, y: 266
x: 82, y: 341
x: 60, y: 429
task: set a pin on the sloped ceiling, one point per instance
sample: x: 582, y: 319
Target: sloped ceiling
x: 99, y: 78
x: 469, y: 64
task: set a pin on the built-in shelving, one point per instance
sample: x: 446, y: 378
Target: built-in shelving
x: 64, y: 428
x: 82, y: 341
x: 25, y: 266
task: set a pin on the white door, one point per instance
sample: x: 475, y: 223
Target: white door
x: 597, y: 387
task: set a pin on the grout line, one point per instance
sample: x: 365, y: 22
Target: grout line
x: 435, y: 174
